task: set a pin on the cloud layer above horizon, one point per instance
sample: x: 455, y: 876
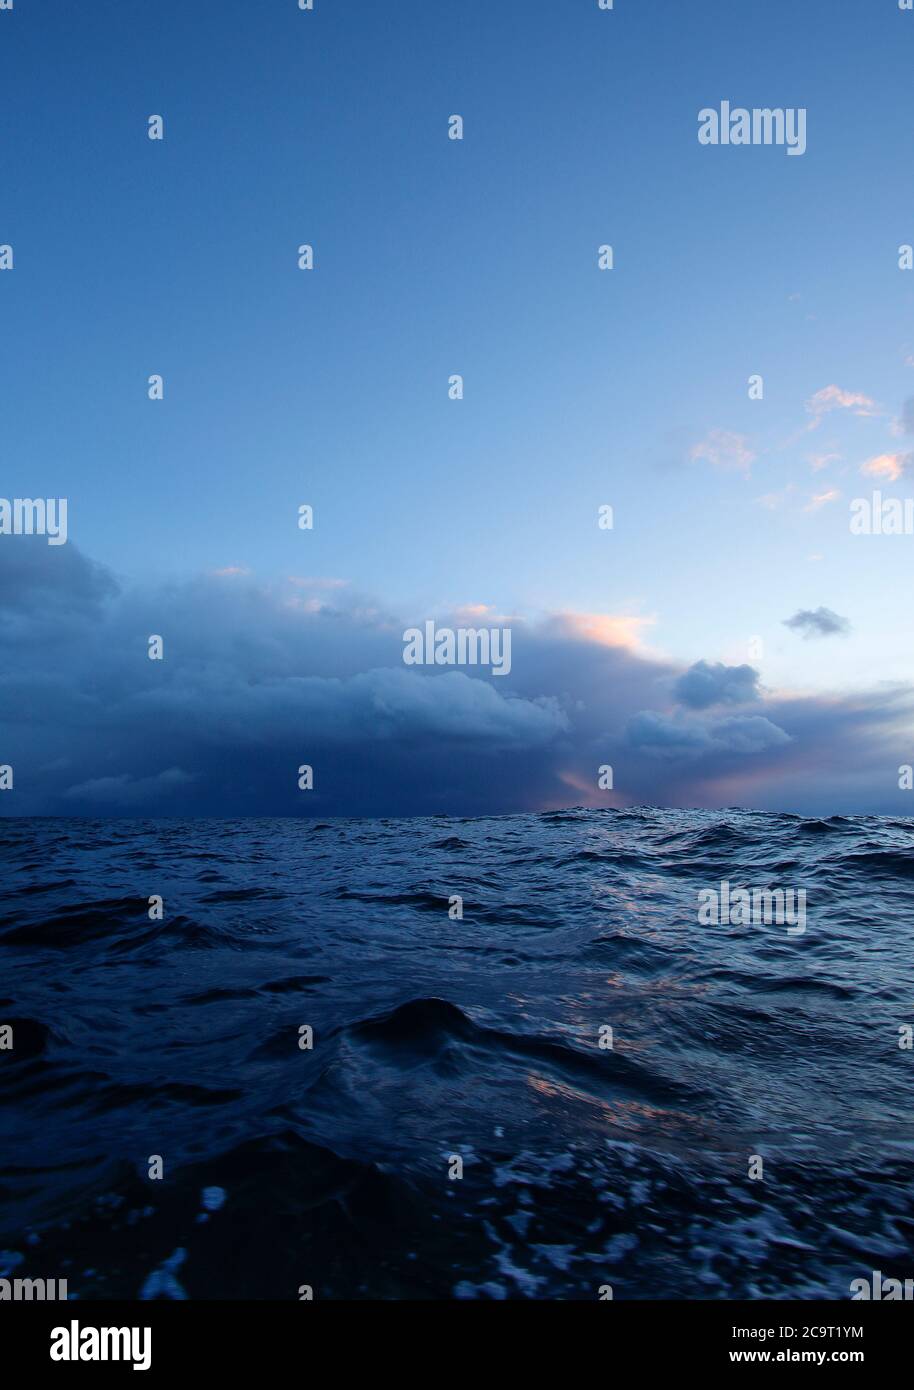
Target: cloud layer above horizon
x: 258, y: 680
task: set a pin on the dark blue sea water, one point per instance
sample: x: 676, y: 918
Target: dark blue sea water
x: 436, y: 1038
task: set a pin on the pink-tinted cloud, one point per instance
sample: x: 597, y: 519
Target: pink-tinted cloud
x: 821, y: 499
x: 887, y: 467
x: 834, y: 398
x: 732, y: 453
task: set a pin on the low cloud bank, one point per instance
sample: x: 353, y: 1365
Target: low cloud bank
x: 259, y: 680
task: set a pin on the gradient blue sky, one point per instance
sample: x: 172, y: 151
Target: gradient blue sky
x: 477, y: 257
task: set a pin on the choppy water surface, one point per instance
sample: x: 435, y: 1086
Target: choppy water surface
x: 436, y: 1037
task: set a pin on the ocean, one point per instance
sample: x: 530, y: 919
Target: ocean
x: 439, y: 1058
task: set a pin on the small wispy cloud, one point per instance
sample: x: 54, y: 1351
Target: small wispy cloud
x: 773, y: 501
x: 887, y: 467
x: 821, y: 499
x: 832, y: 397
x: 725, y: 450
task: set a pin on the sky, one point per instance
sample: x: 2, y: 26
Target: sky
x: 731, y: 555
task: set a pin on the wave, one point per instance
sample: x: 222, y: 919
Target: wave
x: 597, y: 1064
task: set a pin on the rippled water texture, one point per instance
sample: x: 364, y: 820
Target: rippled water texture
x: 436, y: 1037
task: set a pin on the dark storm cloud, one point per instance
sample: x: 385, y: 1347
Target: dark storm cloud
x: 260, y: 679
x: 32, y: 581
x: 707, y: 683
x: 254, y: 683
x: 818, y: 622
x: 660, y: 735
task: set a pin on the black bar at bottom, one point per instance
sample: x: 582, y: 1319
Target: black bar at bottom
x: 272, y: 1339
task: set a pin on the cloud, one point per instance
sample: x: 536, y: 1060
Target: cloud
x: 773, y: 501
x: 72, y: 583
x: 378, y: 706
x: 706, y: 684
x: 888, y: 467
x: 818, y: 622
x: 821, y: 499
x: 129, y: 791
x: 606, y: 629
x: 258, y: 679
x: 833, y: 398
x: 664, y: 735
x: 730, y: 452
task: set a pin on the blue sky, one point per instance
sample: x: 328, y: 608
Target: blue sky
x: 436, y: 257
